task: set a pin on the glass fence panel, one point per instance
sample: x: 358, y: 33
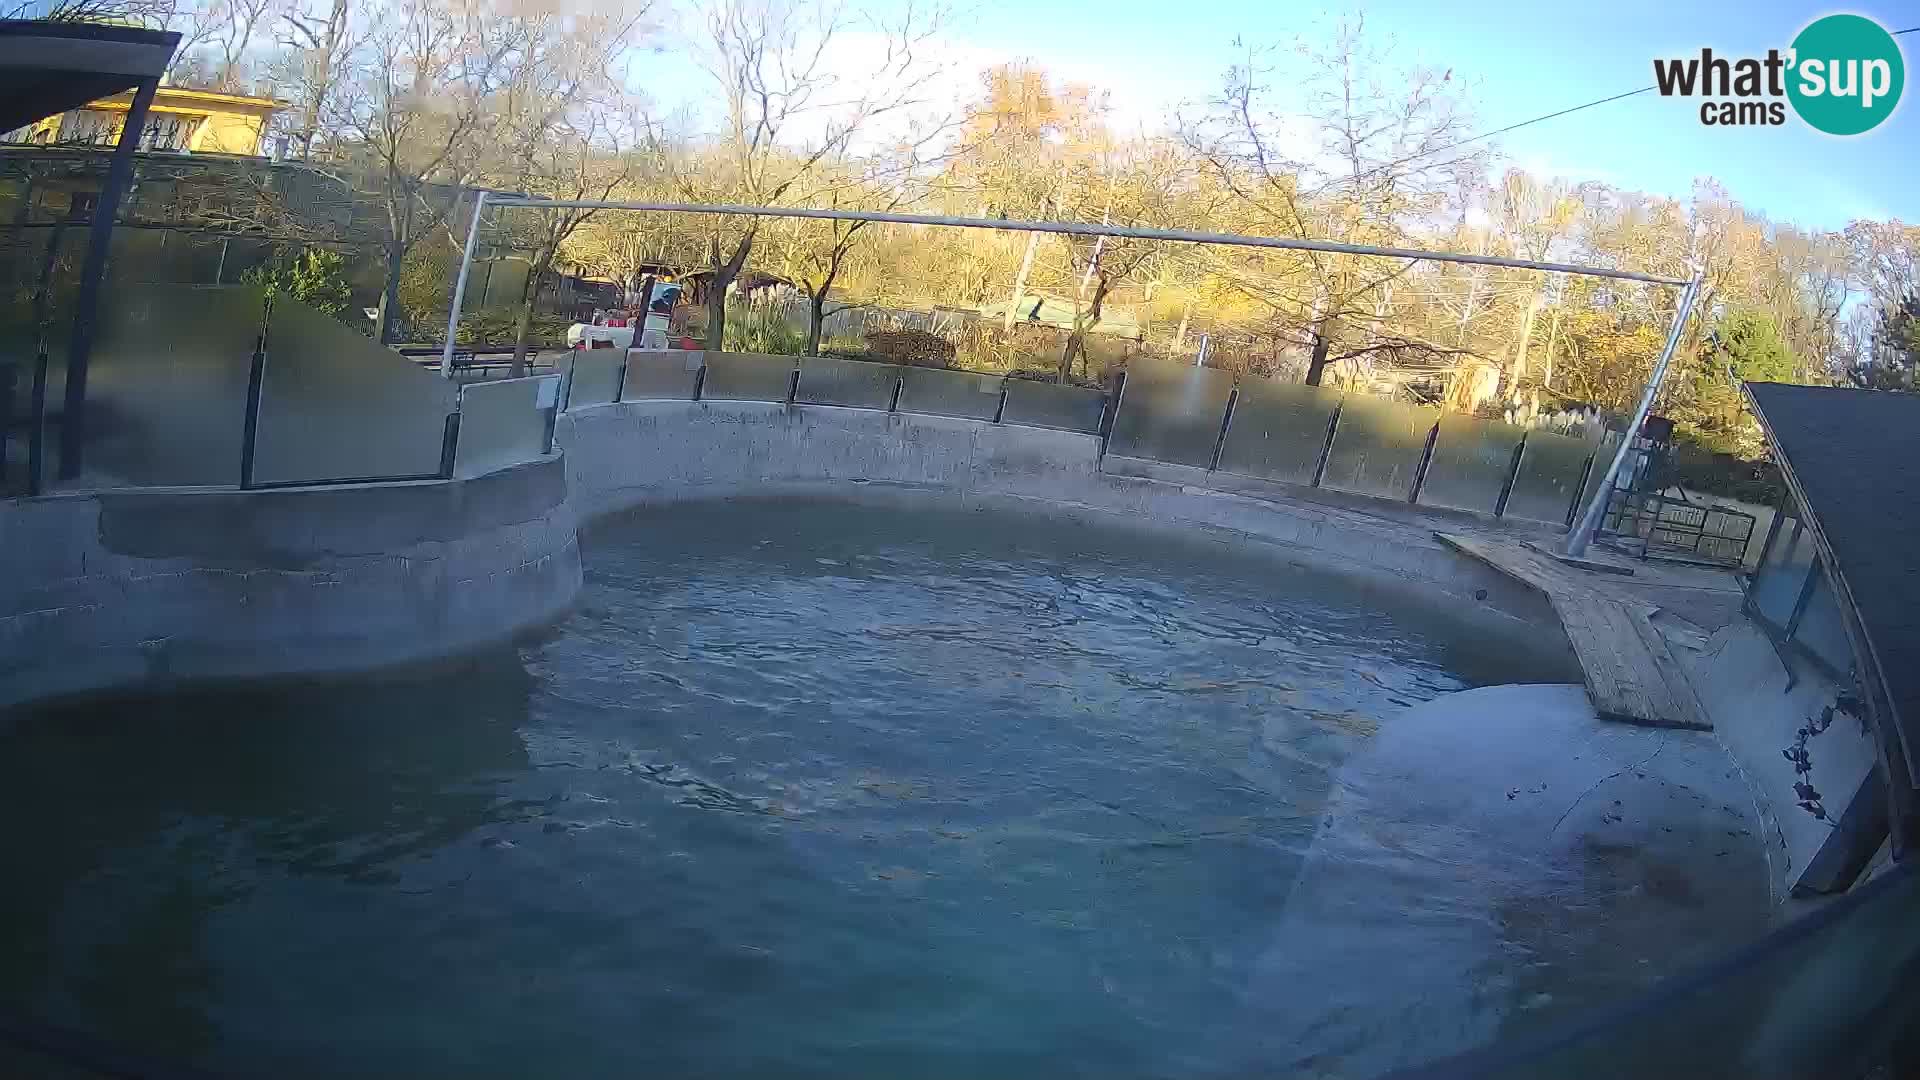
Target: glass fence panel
x: 167, y: 385
x: 747, y: 377
x: 1551, y: 470
x: 1776, y: 588
x: 1472, y: 459
x: 1603, y: 449
x: 1822, y: 996
x: 1377, y: 446
x: 18, y: 345
x: 335, y: 405
x: 1049, y: 405
x: 661, y: 375
x: 1822, y: 630
x: 504, y: 423
x: 593, y: 376
x: 1170, y: 412
x: 856, y: 384
x: 1279, y: 430
x: 950, y: 393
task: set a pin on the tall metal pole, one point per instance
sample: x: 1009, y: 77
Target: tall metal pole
x: 1589, y: 522
x: 86, y: 304
x: 1081, y: 228
x: 460, y: 285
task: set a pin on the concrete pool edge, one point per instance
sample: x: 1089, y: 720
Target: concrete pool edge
x: 120, y: 591
x: 698, y: 451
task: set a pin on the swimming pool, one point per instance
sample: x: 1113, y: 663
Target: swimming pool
x: 802, y: 789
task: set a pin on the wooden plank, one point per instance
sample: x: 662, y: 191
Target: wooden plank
x: 1639, y: 680
x: 1684, y: 709
x: 1629, y: 672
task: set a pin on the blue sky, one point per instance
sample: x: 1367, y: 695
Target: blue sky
x: 1524, y: 59
x: 1527, y: 59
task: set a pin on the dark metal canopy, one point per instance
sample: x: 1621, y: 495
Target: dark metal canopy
x: 1852, y: 459
x: 50, y: 67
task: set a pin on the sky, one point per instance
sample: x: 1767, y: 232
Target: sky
x: 1522, y: 59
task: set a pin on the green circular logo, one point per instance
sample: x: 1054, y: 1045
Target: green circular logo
x: 1846, y: 74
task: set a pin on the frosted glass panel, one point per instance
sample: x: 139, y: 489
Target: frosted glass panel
x: 593, y: 376
x: 665, y: 375
x: 1471, y: 461
x: 503, y: 423
x: 335, y: 405
x: 858, y: 384
x: 1170, y: 412
x: 1050, y: 405
x: 1377, y: 446
x: 167, y: 385
x: 1822, y: 631
x: 747, y: 377
x: 1776, y: 588
x: 1602, y: 448
x: 950, y: 393
x: 1278, y: 430
x: 1551, y: 467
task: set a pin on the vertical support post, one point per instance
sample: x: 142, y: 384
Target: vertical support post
x: 1589, y: 520
x: 1513, y: 474
x: 460, y: 285
x: 1426, y: 462
x: 37, y: 392
x: 250, y: 425
x: 73, y: 429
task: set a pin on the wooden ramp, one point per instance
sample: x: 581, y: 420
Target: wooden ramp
x: 1629, y: 671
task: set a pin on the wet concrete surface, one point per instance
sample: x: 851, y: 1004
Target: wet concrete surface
x: 1497, y: 861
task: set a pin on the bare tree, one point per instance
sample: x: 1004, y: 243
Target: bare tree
x: 317, y: 43
x: 412, y: 100
x: 799, y: 89
x: 1375, y: 159
x: 217, y: 42
x: 152, y: 13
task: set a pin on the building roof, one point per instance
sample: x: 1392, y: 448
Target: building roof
x: 50, y: 67
x: 173, y: 96
x: 1849, y: 458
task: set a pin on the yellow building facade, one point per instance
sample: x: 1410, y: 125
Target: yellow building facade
x: 194, y: 121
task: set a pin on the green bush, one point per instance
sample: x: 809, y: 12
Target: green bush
x: 316, y: 277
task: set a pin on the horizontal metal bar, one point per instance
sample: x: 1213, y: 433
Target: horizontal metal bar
x: 1075, y: 228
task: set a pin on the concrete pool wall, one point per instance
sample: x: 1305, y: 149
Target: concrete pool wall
x: 143, y: 589
x: 633, y: 454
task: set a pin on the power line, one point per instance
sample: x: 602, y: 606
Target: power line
x: 1504, y: 130
x: 1477, y: 138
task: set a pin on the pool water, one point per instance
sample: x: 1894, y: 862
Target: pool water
x: 801, y: 790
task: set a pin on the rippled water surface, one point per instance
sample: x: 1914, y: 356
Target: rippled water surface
x: 802, y: 790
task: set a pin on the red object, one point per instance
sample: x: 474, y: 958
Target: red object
x: 616, y: 322
x: 687, y: 343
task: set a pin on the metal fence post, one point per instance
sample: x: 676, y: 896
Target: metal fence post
x: 73, y: 430
x: 1589, y: 521
x: 460, y: 285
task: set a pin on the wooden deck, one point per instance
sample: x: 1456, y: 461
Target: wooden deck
x: 1630, y: 673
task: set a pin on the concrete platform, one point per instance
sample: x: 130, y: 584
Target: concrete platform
x: 1497, y: 862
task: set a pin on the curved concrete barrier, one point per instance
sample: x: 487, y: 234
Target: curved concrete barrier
x: 649, y: 453
x: 129, y: 590
x: 140, y: 589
